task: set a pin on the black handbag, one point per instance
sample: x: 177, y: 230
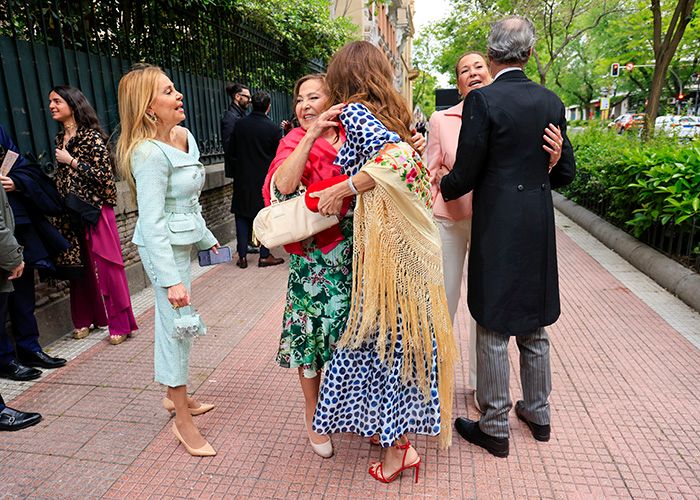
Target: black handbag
x: 85, y: 212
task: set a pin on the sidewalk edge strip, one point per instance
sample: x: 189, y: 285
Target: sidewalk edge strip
x: 677, y: 279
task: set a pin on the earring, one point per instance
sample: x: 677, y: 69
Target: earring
x: 152, y: 117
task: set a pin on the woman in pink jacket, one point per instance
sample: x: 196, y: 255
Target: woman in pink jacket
x: 454, y: 218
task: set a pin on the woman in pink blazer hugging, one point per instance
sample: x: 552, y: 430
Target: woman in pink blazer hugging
x: 454, y: 218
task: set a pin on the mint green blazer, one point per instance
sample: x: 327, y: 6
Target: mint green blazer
x: 168, y: 185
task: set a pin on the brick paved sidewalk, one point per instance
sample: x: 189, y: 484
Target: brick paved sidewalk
x: 624, y: 406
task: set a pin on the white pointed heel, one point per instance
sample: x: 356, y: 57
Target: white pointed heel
x: 324, y: 450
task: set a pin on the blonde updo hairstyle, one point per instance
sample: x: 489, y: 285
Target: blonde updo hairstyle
x: 137, y: 90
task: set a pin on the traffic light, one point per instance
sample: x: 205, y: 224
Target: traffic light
x: 615, y: 69
x: 681, y: 96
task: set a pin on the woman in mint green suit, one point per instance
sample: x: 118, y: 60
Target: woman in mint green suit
x: 160, y: 160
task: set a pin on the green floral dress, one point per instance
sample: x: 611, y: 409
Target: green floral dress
x: 318, y: 301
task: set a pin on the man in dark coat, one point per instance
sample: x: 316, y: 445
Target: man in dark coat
x: 31, y: 195
x: 254, y: 140
x: 11, y: 268
x: 513, y: 287
x: 240, y: 101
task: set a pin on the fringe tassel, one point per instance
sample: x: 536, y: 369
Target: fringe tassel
x: 395, y: 268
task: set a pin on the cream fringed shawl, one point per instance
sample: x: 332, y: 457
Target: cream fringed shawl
x: 398, y: 275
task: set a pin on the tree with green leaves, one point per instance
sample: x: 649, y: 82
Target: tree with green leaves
x: 425, y: 84
x: 424, y: 92
x: 580, y: 71
x: 665, y: 42
x: 304, y: 26
x: 559, y: 23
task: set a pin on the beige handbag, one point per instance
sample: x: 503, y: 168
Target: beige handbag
x: 288, y: 221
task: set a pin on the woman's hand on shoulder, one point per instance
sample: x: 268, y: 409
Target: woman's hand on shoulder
x: 554, y: 141
x: 324, y: 121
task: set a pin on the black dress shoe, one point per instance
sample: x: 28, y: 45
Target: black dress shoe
x: 270, y: 260
x: 41, y: 359
x: 252, y: 249
x: 16, y: 371
x: 470, y: 430
x: 242, y: 262
x: 539, y: 432
x: 14, y: 420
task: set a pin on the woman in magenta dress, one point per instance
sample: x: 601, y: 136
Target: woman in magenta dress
x: 99, y: 292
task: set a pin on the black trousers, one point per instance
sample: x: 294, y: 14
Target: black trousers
x: 244, y: 231
x: 21, y: 305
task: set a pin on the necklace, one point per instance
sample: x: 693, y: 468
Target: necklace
x: 70, y: 127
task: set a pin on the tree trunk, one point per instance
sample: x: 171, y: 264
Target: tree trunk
x: 541, y: 71
x: 664, y: 50
x: 652, y: 108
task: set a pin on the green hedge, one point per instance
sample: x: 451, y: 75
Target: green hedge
x: 596, y: 122
x: 636, y: 185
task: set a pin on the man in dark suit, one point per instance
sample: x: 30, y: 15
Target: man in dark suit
x: 513, y: 282
x: 240, y: 101
x: 254, y: 142
x: 11, y: 268
x: 237, y: 109
x: 32, y: 196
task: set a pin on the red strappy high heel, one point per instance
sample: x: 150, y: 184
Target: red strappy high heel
x: 376, y: 471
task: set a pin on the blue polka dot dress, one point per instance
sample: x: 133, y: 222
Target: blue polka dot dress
x: 361, y: 393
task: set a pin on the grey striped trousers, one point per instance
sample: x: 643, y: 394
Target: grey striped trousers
x: 493, y: 374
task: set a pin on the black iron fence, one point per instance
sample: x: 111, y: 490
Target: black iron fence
x: 91, y: 43
x: 681, y: 243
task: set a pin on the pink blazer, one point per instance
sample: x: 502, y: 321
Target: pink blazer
x: 442, y: 149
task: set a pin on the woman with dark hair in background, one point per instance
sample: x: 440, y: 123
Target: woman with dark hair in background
x: 99, y: 292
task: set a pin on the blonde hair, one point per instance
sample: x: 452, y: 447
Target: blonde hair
x: 360, y: 72
x: 137, y: 90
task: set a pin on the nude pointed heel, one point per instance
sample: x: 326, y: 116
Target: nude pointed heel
x: 204, y: 451
x: 324, y: 450
x: 202, y: 408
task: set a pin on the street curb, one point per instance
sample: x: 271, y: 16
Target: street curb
x: 677, y: 279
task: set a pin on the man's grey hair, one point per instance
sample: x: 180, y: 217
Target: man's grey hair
x: 511, y: 39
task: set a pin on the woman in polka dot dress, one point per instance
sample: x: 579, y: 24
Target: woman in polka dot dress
x: 392, y: 373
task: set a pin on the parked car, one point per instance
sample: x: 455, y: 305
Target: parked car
x: 616, y: 123
x: 629, y: 121
x: 626, y: 121
x: 679, y: 126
